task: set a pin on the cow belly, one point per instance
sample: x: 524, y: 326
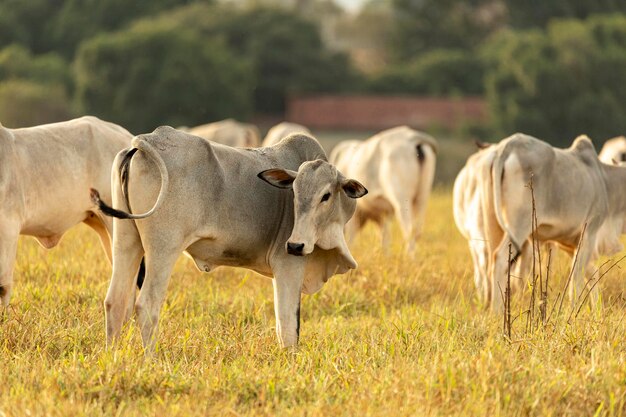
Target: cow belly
x: 52, y: 224
x: 210, y: 253
x: 375, y: 209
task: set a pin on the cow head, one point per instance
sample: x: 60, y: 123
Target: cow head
x: 324, y: 201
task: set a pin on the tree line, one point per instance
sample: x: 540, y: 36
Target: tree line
x: 550, y: 68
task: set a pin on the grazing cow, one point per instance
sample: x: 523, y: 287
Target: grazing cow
x: 469, y: 217
x: 229, y: 132
x: 398, y: 167
x: 279, y: 211
x: 579, y: 204
x: 282, y: 130
x: 45, y: 175
x: 613, y: 151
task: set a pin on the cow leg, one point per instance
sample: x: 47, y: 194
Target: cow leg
x: 500, y: 268
x: 159, y: 264
x: 479, y: 259
x: 385, y: 234
x: 9, y: 234
x: 103, y: 232
x: 522, y: 269
x: 288, y: 279
x: 404, y: 215
x: 127, y: 253
x: 581, y: 265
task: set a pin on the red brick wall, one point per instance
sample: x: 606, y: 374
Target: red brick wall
x: 381, y: 112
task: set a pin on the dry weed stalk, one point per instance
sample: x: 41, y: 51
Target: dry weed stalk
x: 507, y: 299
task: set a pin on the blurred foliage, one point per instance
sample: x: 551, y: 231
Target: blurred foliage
x: 25, y: 103
x: 60, y: 25
x: 33, y: 89
x: 561, y: 82
x: 441, y: 72
x: 538, y: 13
x: 548, y: 68
x: 152, y: 75
x: 425, y: 25
x: 213, y: 62
x: 17, y: 62
x: 285, y: 49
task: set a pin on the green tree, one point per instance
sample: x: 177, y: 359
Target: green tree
x: 424, y: 25
x: 152, y: 75
x: 285, y: 50
x: 60, y: 25
x: 33, y: 89
x: 16, y: 62
x: 26, y: 23
x: 538, y: 13
x: 440, y: 72
x: 562, y: 82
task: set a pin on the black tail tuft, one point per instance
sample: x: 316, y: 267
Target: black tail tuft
x: 298, y: 319
x: 420, y: 153
x: 142, y: 273
x: 108, y: 210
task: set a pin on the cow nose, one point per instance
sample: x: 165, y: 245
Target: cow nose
x: 295, y: 248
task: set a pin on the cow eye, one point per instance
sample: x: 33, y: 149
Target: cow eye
x: 325, y: 197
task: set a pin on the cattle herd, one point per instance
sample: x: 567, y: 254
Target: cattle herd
x: 284, y: 209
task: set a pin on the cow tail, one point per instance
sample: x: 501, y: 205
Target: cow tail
x: 124, y: 166
x: 497, y: 173
x: 426, y: 158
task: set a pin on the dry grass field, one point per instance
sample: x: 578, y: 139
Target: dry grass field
x: 402, y: 335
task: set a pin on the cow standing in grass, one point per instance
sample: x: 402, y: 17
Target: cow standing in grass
x: 398, y: 167
x: 279, y: 211
x: 579, y: 201
x: 281, y: 131
x: 45, y: 175
x: 614, y: 151
x: 229, y: 132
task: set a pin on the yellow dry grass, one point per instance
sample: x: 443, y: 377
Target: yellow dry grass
x: 402, y: 335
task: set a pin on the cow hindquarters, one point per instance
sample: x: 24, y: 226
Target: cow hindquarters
x: 9, y: 233
x: 288, y: 279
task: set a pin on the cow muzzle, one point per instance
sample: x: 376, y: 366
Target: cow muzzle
x: 296, y: 249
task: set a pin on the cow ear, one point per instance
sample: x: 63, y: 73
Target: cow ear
x: 353, y: 188
x: 281, y: 178
x: 481, y: 144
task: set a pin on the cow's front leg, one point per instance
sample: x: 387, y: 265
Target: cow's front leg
x: 8, y: 247
x: 582, y: 265
x: 287, y: 289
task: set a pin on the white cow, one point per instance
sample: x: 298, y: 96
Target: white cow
x: 573, y: 190
x: 613, y: 151
x: 469, y: 217
x: 282, y: 130
x: 279, y: 211
x: 45, y: 175
x: 229, y: 132
x: 398, y: 167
